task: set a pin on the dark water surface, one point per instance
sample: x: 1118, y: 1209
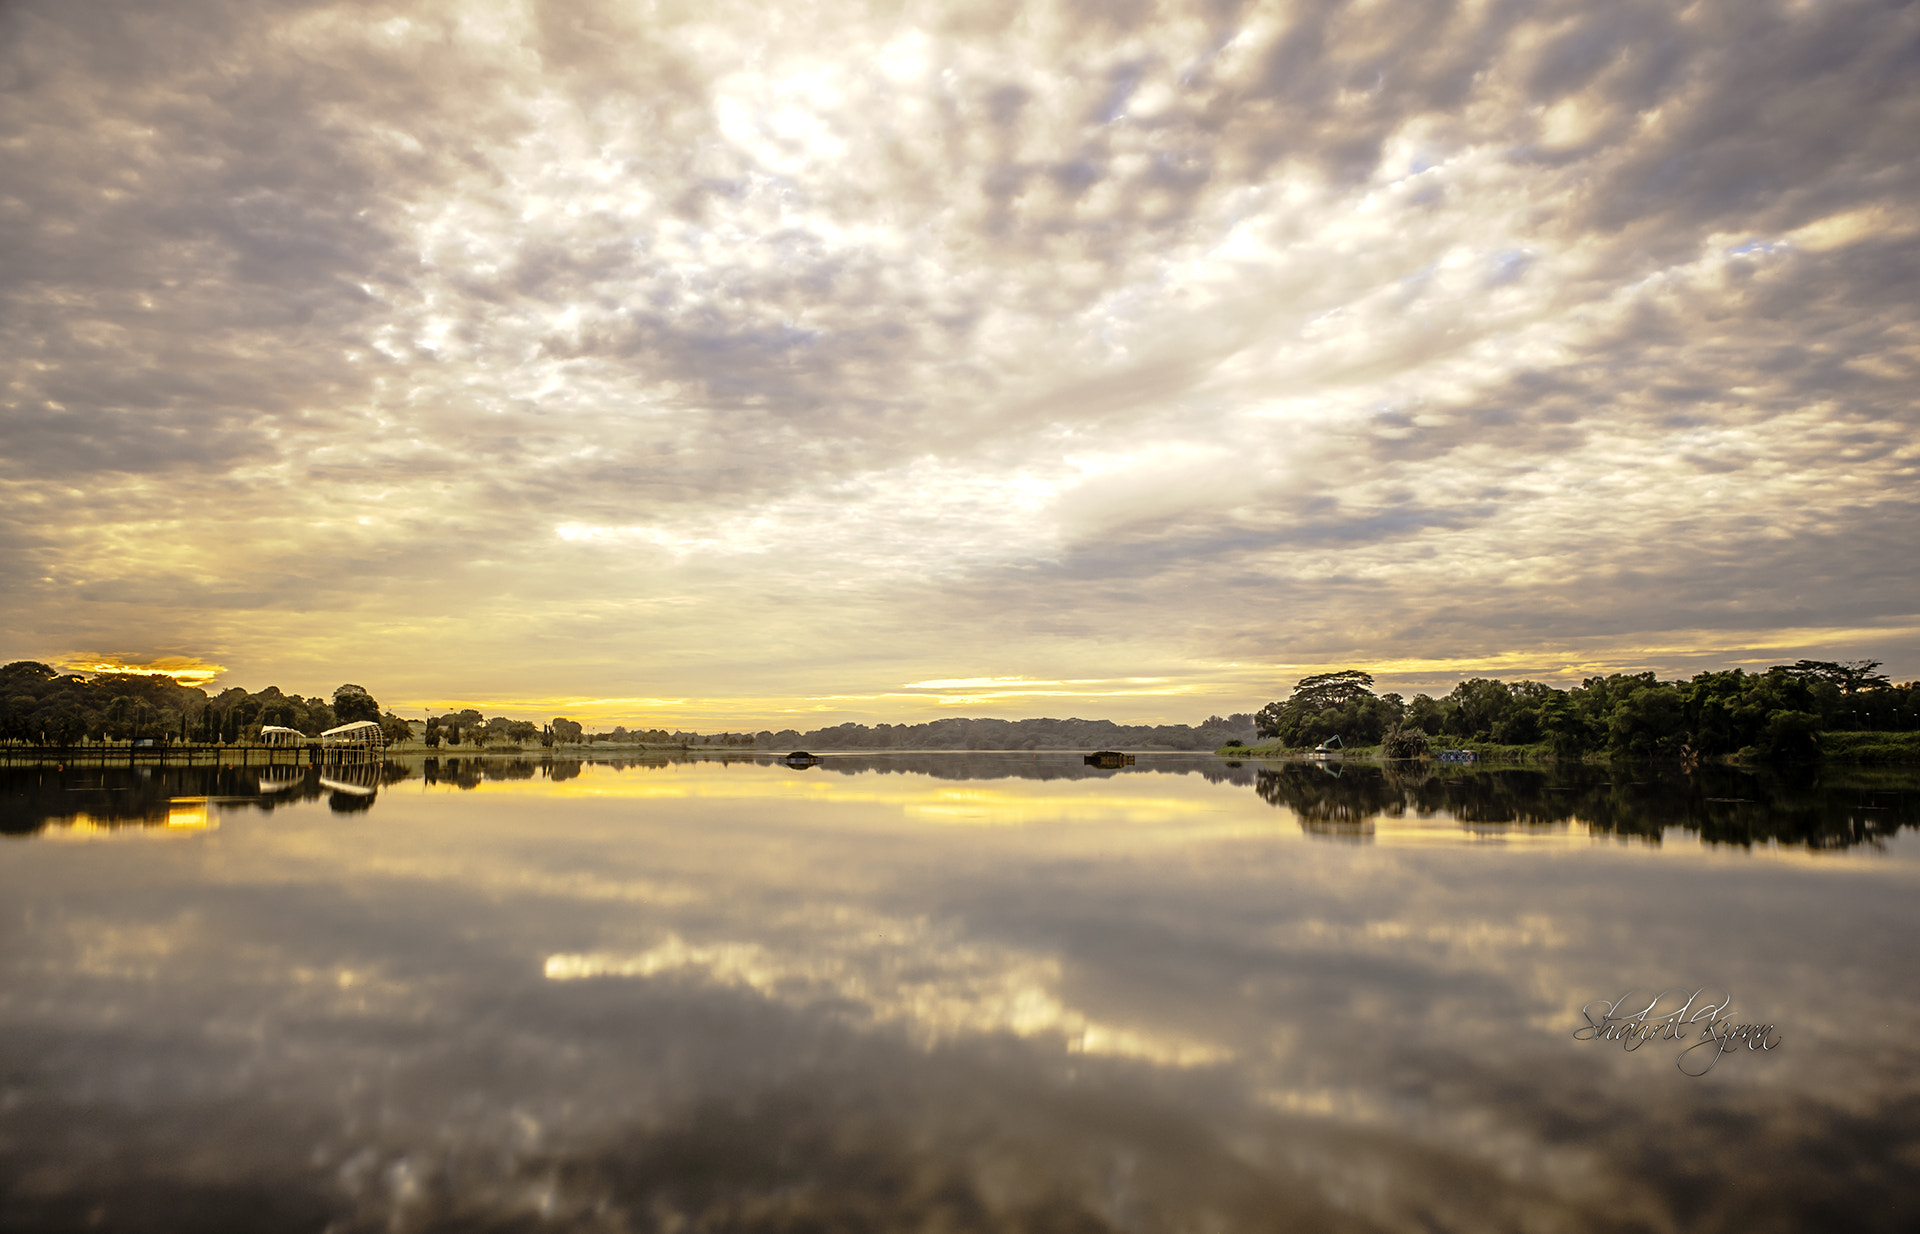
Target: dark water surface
x: 949, y: 993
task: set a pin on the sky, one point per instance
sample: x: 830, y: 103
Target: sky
x: 751, y: 365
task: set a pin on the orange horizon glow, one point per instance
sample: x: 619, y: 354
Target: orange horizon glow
x: 1221, y: 688
x: 186, y: 670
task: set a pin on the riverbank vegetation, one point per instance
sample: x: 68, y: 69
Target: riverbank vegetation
x: 1844, y: 710
x: 40, y: 705
x: 1841, y: 710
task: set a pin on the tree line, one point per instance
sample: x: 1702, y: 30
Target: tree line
x: 39, y: 705
x: 961, y: 733
x: 1780, y: 713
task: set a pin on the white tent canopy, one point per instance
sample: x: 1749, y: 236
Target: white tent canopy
x: 363, y: 733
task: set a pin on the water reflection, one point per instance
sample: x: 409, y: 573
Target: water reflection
x: 128, y: 800
x: 1831, y: 809
x: 1353, y: 801
x: 518, y: 994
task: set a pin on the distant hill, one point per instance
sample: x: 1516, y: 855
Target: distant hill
x: 961, y: 733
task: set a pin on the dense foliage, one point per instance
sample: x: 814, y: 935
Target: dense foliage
x: 40, y: 705
x: 469, y: 728
x: 1779, y: 714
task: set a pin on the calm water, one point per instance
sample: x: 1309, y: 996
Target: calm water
x: 949, y: 993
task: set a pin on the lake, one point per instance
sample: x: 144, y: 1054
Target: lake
x: 926, y: 992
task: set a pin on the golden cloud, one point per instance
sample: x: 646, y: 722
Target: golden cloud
x: 187, y: 670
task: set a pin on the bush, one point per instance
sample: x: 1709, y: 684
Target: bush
x: 1404, y: 741
x: 1792, y: 737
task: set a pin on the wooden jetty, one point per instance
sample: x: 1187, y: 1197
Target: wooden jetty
x: 308, y: 751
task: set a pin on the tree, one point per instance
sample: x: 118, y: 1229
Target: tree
x: 351, y: 703
x: 1650, y: 721
x: 1851, y: 676
x: 1791, y: 737
x: 1325, y: 704
x: 1325, y: 690
x: 1479, y: 703
x: 1427, y: 714
x: 565, y: 730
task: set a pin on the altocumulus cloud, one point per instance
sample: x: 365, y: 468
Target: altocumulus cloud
x: 758, y: 354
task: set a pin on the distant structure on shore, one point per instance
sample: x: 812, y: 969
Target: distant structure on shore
x: 359, y: 735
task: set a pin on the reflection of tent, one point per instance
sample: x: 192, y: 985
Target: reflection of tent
x: 357, y: 779
x: 274, y: 735
x: 360, y: 735
x: 280, y: 779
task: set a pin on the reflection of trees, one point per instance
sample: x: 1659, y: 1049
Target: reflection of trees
x: 33, y: 797
x: 1827, y: 809
x: 1497, y: 796
x: 1830, y: 809
x: 1230, y: 772
x: 1333, y: 799
x: 472, y: 772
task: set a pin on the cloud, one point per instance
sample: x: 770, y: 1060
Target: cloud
x: 795, y: 355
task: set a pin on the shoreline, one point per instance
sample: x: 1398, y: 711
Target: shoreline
x: 1849, y: 749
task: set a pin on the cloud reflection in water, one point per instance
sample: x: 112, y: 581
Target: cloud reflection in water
x: 694, y: 996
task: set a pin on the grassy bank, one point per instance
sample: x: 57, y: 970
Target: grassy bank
x: 1871, y: 747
